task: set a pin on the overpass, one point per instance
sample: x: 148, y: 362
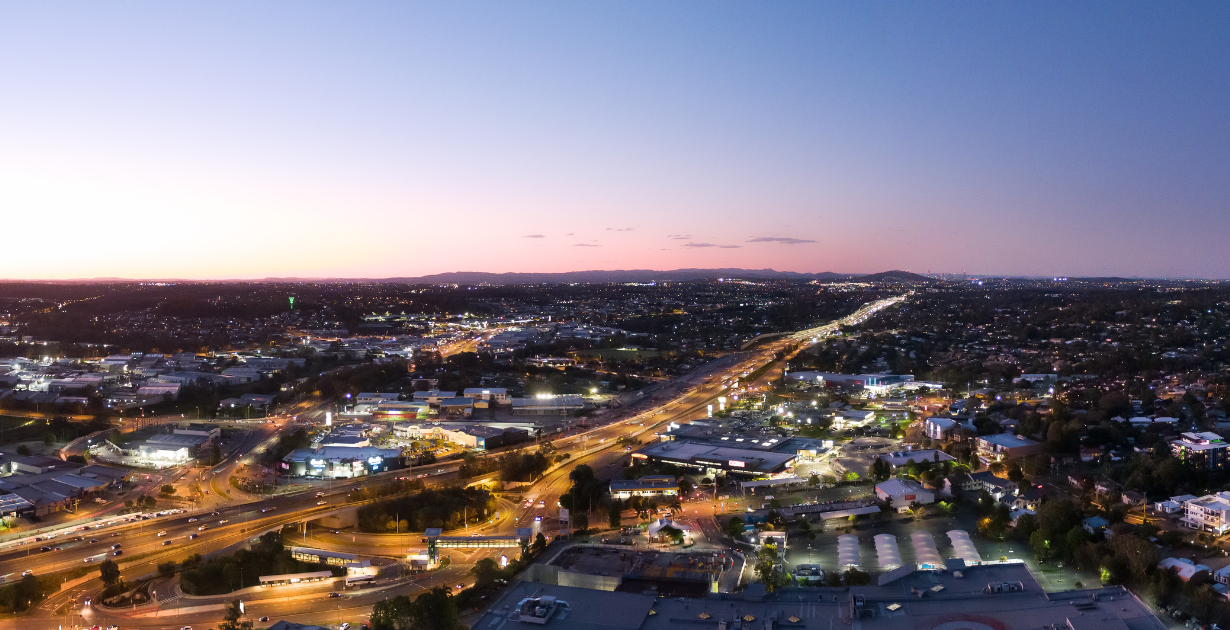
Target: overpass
x: 436, y: 542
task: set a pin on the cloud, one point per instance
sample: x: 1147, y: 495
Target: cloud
x: 712, y: 245
x: 628, y: 229
x: 679, y: 237
x: 534, y: 236
x: 784, y: 240
x: 568, y: 234
x: 587, y: 245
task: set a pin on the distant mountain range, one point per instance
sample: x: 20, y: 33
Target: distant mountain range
x: 649, y: 275
x: 594, y: 276
x: 618, y: 275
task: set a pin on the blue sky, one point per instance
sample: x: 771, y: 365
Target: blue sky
x: 394, y: 139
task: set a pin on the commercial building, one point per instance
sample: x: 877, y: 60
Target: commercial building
x: 989, y: 596
x: 647, y: 486
x: 433, y: 397
x: 486, y: 395
x: 466, y: 435
x: 463, y: 407
x: 897, y: 459
x: 40, y: 488
x: 394, y: 411
x: 375, y: 398
x: 544, y: 405
x: 333, y: 462
x: 1201, y: 450
x: 903, y: 493
x: 706, y: 456
x: 993, y: 448
x: 170, y: 448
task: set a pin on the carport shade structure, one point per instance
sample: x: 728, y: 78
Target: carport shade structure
x: 963, y: 547
x: 925, y: 553
x: 887, y: 552
x: 847, y: 551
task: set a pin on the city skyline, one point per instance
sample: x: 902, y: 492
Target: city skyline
x: 314, y: 141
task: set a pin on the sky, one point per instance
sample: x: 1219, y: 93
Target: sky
x: 391, y: 139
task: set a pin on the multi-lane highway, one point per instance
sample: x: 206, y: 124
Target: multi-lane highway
x: 228, y: 518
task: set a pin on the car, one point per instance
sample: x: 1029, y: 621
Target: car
x: 320, y: 502
x: 113, y: 627
x: 542, y: 503
x: 538, y: 519
x: 193, y: 519
x: 334, y: 531
x: 117, y: 552
x: 115, y: 535
x: 334, y: 595
x: 268, y: 509
x: 191, y: 536
x: 165, y: 543
x: 319, y: 494
x: 44, y: 549
x: 223, y: 521
x: 202, y: 528
x: 216, y: 513
x: 59, y: 548
x: 162, y: 533
x: 263, y: 619
x: 93, y: 540
x: 26, y: 572
x: 88, y: 559
x: 460, y: 586
x: 116, y: 546
x: 345, y: 626
x: 88, y: 601
x: 186, y: 628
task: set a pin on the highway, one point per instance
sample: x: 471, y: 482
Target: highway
x: 227, y: 517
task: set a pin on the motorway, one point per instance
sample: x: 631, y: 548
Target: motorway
x: 230, y: 519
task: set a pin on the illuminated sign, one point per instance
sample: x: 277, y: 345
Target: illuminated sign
x: 640, y: 456
x: 736, y: 463
x: 375, y: 461
x: 909, y: 497
x: 318, y: 463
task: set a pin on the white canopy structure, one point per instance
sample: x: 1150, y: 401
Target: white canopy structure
x: 964, y: 547
x: 887, y: 552
x: 847, y: 551
x: 927, y: 556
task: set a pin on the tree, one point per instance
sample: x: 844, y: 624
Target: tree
x: 167, y: 489
x: 767, y: 569
x: 540, y: 542
x: 435, y: 610
x: 734, y: 528
x: 392, y: 614
x: 166, y: 569
x: 22, y: 449
x: 109, y: 572
x: 1014, y: 471
x: 231, y: 617
x: 485, y: 572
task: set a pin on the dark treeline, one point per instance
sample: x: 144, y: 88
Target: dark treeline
x: 416, y: 512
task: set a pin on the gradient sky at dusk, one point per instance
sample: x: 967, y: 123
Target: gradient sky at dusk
x: 247, y: 140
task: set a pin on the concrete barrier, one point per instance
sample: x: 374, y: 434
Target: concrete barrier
x: 77, y: 581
